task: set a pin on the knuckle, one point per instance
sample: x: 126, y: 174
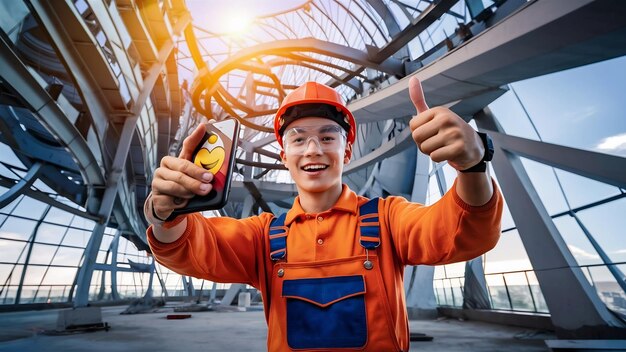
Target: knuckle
x: 180, y: 177
x: 416, y: 136
x: 164, y: 160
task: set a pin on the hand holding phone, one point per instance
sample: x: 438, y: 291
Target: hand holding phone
x: 216, y: 154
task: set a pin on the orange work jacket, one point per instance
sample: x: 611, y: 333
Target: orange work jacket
x: 324, y: 264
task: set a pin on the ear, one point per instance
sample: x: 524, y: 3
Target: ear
x: 347, y: 154
x: 283, y: 157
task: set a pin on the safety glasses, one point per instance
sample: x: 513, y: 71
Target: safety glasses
x: 328, y: 138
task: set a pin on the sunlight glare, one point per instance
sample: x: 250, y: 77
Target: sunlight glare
x: 235, y: 21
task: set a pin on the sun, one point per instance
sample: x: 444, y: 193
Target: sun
x: 235, y: 21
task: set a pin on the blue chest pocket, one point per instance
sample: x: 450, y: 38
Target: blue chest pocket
x: 326, y: 312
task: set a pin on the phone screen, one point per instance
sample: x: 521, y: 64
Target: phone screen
x: 216, y: 154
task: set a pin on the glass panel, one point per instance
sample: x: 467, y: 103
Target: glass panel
x: 507, y: 218
x: 497, y: 292
x: 42, y: 187
x: 78, y: 238
x: 589, y: 123
x: 606, y: 223
x: 4, y: 172
x: 58, y: 294
x: 546, y: 185
x: 577, y: 242
x: 48, y: 233
x: 9, y: 207
x: 581, y: 190
x: 106, y: 242
x: 101, y: 256
x: 519, y: 291
x: 10, y: 274
x: 439, y: 272
x: 60, y: 276
x: 8, y: 157
x: 608, y: 289
x: 433, y: 193
x: 508, y: 255
x: 34, y: 274
x: 17, y: 228
x: 448, y: 292
x: 13, y: 251
x: 58, y: 216
x: 8, y: 297
x: 68, y: 256
x: 540, y: 301
x: 440, y: 293
x: 83, y: 223
x: 512, y: 117
x: 457, y: 291
x: 30, y: 208
x: 42, y: 254
x: 28, y: 294
x: 455, y: 270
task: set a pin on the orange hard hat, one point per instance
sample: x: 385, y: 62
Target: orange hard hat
x: 313, y: 99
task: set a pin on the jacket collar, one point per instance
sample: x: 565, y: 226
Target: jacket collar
x: 347, y: 202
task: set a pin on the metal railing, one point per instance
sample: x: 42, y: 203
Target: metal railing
x: 520, y: 291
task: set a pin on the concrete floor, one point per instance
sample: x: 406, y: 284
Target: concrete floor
x: 232, y: 331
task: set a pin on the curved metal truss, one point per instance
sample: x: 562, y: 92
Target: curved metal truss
x: 350, y: 45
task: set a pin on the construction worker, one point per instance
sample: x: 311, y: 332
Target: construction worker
x: 331, y: 270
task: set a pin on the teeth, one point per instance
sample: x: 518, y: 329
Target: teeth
x: 314, y: 167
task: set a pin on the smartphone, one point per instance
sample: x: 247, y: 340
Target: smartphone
x: 216, y: 154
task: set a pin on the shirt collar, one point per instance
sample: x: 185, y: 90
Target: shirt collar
x: 347, y: 202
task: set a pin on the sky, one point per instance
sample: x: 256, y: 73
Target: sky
x: 231, y: 13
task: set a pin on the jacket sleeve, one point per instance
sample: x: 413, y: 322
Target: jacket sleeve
x: 448, y: 231
x: 219, y: 249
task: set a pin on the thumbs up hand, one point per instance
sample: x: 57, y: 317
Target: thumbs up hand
x: 442, y: 134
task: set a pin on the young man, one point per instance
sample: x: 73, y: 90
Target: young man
x: 331, y: 272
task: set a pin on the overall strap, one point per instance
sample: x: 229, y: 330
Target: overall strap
x: 278, y: 238
x: 369, y: 226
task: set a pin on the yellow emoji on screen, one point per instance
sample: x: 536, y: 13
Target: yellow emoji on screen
x: 212, y: 155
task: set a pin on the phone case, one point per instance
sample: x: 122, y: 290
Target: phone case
x: 216, y: 154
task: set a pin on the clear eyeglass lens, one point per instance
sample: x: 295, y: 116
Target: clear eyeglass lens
x: 327, y: 138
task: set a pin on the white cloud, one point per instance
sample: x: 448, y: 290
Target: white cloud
x: 615, y: 143
x: 581, y: 253
x: 582, y: 114
x: 620, y: 251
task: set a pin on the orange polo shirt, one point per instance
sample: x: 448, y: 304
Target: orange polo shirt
x: 231, y: 250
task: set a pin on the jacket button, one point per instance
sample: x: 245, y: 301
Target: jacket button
x: 320, y: 241
x: 281, y: 272
x: 319, y: 218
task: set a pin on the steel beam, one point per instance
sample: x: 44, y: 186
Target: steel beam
x: 431, y: 14
x: 49, y: 113
x: 539, y: 38
x: 23, y: 184
x: 598, y: 166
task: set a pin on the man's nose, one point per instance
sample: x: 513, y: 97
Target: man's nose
x: 313, y: 146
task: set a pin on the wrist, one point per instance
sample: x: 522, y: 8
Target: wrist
x: 152, y: 217
x: 481, y: 166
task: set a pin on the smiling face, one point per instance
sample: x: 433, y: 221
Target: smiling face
x: 316, y: 169
x: 212, y: 154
